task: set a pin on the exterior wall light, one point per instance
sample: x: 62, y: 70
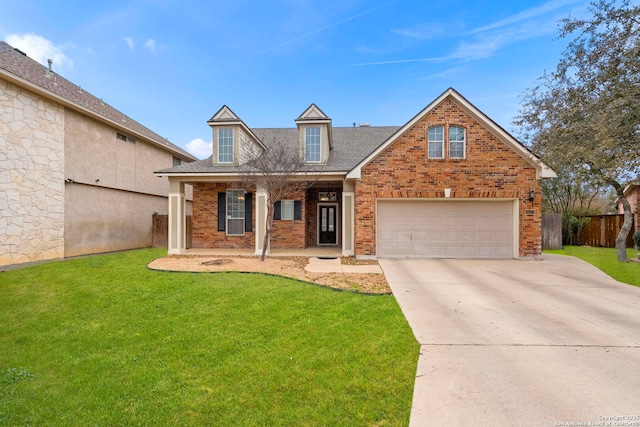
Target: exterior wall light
x: 532, y: 196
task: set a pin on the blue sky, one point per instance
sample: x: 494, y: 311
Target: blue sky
x: 171, y: 65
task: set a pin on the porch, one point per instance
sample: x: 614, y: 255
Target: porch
x: 231, y: 221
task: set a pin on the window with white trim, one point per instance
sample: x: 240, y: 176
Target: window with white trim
x: 235, y: 213
x: 312, y: 144
x: 287, y: 210
x: 225, y: 145
x: 436, y: 142
x: 457, y: 140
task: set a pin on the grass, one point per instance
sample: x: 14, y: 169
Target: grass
x: 103, y: 341
x: 606, y: 259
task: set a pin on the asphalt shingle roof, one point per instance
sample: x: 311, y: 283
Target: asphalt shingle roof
x: 351, y: 145
x: 18, y: 64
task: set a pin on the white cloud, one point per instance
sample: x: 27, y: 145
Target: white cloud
x: 424, y: 31
x: 526, y: 14
x: 200, y: 148
x: 129, y: 41
x: 151, y: 45
x: 40, y: 49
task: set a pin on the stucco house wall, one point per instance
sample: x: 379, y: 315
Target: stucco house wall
x: 117, y: 177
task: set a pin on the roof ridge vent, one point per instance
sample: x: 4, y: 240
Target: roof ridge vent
x: 19, y: 51
x: 365, y: 125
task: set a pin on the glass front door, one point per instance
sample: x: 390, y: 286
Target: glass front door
x: 328, y: 225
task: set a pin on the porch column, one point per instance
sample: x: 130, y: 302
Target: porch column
x: 261, y: 219
x: 348, y: 215
x: 177, y: 219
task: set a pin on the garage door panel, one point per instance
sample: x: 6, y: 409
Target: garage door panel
x: 468, y: 236
x: 445, y: 229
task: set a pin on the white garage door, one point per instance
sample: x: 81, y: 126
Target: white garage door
x: 445, y: 229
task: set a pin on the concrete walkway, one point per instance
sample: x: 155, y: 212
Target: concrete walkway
x: 532, y: 343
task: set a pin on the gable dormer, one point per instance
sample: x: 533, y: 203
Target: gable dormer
x: 233, y: 141
x: 315, y: 135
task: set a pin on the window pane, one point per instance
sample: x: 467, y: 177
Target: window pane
x: 286, y: 209
x: 225, y: 145
x: 456, y: 133
x: 436, y: 142
x: 312, y: 144
x: 456, y: 142
x: 235, y: 212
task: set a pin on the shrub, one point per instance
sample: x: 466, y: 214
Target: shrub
x: 636, y: 239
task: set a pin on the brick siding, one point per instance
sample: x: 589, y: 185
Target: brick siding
x: 491, y: 169
x: 205, y: 232
x: 285, y: 234
x: 290, y: 234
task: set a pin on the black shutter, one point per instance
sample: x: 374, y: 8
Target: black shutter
x: 222, y: 211
x: 276, y: 211
x: 248, y: 218
x: 297, y: 209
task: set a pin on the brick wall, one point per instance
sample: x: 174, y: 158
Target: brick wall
x: 285, y: 234
x: 205, y: 232
x: 290, y: 234
x: 491, y: 170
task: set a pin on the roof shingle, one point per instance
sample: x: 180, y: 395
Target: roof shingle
x: 19, y: 65
x: 350, y: 146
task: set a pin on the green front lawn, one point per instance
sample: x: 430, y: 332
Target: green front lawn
x: 105, y: 341
x: 606, y: 259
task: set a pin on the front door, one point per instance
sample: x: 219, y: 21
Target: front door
x: 328, y: 224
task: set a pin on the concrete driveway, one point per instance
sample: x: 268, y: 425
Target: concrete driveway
x: 526, y: 343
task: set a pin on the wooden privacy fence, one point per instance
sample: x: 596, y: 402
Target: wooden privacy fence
x: 160, y: 231
x: 602, y: 231
x: 551, y: 231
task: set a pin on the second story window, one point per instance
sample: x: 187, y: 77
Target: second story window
x: 436, y: 142
x: 456, y: 142
x: 225, y: 145
x: 312, y: 144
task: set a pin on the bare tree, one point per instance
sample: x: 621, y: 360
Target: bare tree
x: 586, y: 114
x: 281, y: 173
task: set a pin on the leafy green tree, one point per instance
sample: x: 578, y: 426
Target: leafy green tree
x: 585, y: 115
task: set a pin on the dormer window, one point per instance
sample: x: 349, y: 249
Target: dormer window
x: 225, y: 145
x: 312, y: 144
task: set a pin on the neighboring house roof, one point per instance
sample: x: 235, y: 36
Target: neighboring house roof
x: 350, y: 146
x: 544, y: 171
x: 19, y: 69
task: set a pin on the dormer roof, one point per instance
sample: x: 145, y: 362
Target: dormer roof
x: 225, y: 116
x: 314, y: 115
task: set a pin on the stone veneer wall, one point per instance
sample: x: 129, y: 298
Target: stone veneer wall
x: 490, y: 170
x: 31, y: 177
